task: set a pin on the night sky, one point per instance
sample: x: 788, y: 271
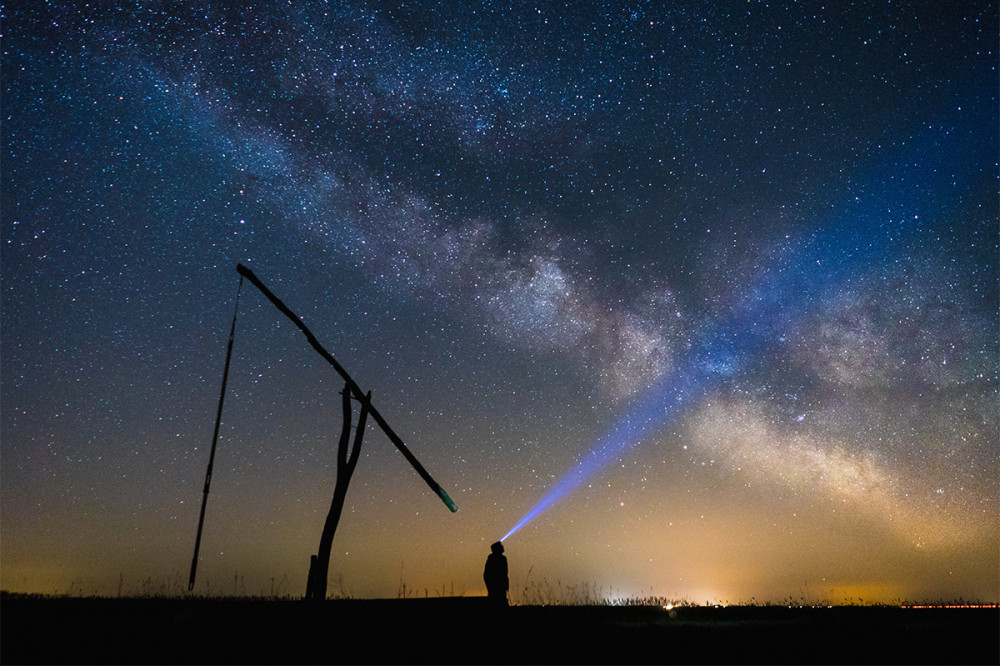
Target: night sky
x: 707, y: 293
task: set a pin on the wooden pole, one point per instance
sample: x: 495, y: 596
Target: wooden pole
x: 319, y: 567
x: 215, y: 440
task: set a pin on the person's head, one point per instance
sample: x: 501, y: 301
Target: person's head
x: 497, y: 547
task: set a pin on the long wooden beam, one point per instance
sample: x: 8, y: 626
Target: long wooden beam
x: 355, y: 389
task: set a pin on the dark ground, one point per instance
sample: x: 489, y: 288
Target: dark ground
x: 200, y: 631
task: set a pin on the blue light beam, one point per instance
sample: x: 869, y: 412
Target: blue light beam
x: 657, y: 408
x: 726, y: 352
x: 871, y: 230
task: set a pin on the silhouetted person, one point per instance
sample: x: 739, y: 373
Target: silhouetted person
x: 495, y: 575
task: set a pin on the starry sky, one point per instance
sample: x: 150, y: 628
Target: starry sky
x: 695, y: 300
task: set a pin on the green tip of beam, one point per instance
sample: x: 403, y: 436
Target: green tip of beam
x: 447, y: 500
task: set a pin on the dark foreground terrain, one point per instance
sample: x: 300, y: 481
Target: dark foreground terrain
x: 201, y: 631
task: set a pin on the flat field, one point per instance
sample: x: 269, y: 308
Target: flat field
x: 467, y: 631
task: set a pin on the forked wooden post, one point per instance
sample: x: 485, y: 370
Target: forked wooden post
x: 319, y: 565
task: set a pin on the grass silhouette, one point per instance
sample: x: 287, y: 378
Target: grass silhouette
x: 158, y: 628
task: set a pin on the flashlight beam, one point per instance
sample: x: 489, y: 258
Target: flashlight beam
x: 654, y: 411
x: 850, y: 246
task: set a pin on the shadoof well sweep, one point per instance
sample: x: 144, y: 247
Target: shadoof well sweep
x: 347, y: 456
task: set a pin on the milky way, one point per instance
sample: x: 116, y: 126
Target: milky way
x: 767, y: 234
